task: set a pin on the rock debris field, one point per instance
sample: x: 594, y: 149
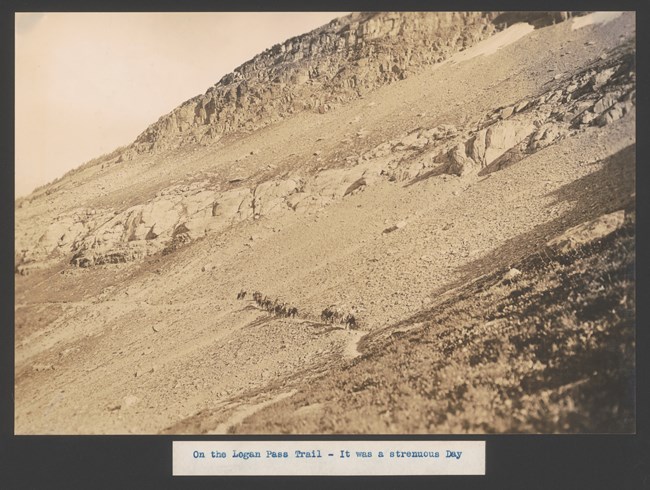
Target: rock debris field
x: 461, y: 185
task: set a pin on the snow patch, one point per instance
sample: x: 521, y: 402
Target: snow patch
x: 594, y: 18
x: 493, y: 44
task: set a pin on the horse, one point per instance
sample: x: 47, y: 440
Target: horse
x: 326, y: 314
x: 350, y: 322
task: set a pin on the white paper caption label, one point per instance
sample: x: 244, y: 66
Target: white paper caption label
x: 242, y: 458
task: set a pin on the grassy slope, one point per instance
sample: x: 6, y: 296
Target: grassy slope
x: 193, y: 378
x: 549, y: 351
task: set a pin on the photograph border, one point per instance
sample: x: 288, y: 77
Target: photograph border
x: 134, y: 461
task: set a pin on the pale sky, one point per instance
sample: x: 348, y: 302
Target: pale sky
x: 87, y: 83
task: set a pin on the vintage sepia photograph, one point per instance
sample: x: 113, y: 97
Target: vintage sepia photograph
x: 325, y: 223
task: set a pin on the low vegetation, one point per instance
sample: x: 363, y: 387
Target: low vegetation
x: 550, y: 350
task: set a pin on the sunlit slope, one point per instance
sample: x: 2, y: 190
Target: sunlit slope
x: 378, y: 207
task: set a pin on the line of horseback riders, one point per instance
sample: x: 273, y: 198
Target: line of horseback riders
x: 329, y: 315
x: 276, y: 307
x: 332, y: 315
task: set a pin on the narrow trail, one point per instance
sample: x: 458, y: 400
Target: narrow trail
x: 351, y: 349
x: 170, y: 332
x: 245, y: 411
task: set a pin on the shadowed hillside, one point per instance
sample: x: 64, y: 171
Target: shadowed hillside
x: 431, y: 216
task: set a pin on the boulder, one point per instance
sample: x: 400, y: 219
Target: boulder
x: 270, y: 197
x: 486, y: 145
x: 583, y: 118
x: 605, y: 102
x: 522, y: 105
x: 413, y: 141
x: 397, y: 226
x: 129, y: 401
x: 381, y: 150
x: 404, y: 172
x: 589, y: 231
x: 602, y: 77
x: 357, y: 184
x: 439, y: 132
x: 476, y: 147
x: 511, y: 274
x: 504, y: 135
x: 459, y: 163
x: 506, y: 112
x: 614, y: 113
x: 546, y: 135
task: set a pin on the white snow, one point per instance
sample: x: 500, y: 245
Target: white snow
x: 594, y: 18
x: 492, y: 44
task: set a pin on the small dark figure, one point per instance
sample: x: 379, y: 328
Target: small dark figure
x: 326, y: 315
x: 350, y: 322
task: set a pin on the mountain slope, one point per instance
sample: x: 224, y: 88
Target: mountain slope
x: 128, y: 270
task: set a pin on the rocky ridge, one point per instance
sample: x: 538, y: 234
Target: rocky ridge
x: 323, y: 69
x: 316, y: 72
x: 437, y: 208
x: 595, y: 96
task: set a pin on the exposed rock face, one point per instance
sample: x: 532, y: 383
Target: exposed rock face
x: 459, y: 163
x: 180, y: 214
x: 317, y: 71
x: 270, y: 196
x: 503, y: 136
x: 546, y: 135
x: 596, y: 96
x: 324, y: 68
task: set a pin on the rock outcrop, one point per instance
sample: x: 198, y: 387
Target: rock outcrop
x: 596, y: 96
x: 180, y: 214
x: 588, y: 232
x: 325, y: 68
x: 317, y: 71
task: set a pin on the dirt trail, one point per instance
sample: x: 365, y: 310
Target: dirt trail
x: 352, y: 347
x: 164, y: 343
x: 245, y: 411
